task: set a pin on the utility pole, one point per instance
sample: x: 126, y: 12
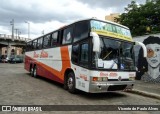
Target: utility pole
x: 12, y: 23
x: 16, y: 32
x: 19, y: 32
x: 28, y: 29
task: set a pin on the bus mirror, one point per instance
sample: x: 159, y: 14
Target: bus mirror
x: 96, y: 42
x: 143, y: 47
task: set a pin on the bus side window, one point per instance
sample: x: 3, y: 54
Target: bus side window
x: 28, y: 46
x: 39, y: 43
x: 34, y: 44
x: 81, y: 30
x: 67, y: 35
x: 46, y: 41
x: 54, y: 39
x: 84, y: 54
x: 75, y: 53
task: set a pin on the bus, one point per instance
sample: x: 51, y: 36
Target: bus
x: 90, y: 55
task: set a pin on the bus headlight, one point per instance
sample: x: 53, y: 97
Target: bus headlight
x: 99, y: 78
x: 105, y: 78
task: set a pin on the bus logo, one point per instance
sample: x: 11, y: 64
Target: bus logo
x: 44, y: 54
x: 103, y: 74
x: 113, y: 74
x: 35, y: 55
x: 119, y: 78
x: 6, y: 108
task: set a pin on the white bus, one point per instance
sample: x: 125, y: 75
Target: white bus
x: 89, y: 55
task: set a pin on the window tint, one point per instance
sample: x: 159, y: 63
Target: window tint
x: 29, y: 46
x: 75, y: 52
x: 34, y: 44
x: 54, y: 39
x: 39, y: 43
x: 84, y: 54
x: 46, y: 41
x: 67, y: 35
x: 81, y: 31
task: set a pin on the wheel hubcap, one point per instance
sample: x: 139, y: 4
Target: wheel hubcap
x: 70, y: 83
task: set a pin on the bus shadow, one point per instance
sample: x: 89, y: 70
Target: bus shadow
x: 100, y: 96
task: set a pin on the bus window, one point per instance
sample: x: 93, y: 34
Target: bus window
x: 34, y: 44
x: 39, y: 43
x: 54, y: 39
x: 81, y: 31
x: 28, y: 48
x: 84, y: 54
x: 67, y: 35
x: 46, y: 41
x: 75, y: 53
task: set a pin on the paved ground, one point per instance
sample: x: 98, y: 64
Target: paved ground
x: 148, y: 87
x: 17, y: 87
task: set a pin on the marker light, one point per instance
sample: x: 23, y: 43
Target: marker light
x: 105, y: 78
x: 99, y: 78
x: 94, y: 78
x: 131, y: 78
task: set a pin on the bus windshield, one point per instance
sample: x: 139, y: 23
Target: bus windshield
x: 114, y: 54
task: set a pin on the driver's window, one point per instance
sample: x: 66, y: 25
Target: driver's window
x: 84, y: 54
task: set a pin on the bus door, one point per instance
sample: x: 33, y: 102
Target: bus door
x: 80, y: 59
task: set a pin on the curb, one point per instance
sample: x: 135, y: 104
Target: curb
x: 144, y: 93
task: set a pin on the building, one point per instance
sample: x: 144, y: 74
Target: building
x: 13, y: 51
x: 112, y: 17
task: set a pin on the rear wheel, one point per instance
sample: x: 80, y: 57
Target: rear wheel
x: 31, y: 71
x: 71, y: 83
x: 35, y: 72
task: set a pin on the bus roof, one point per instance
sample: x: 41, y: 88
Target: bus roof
x: 107, y: 21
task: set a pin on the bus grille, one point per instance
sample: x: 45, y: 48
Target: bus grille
x: 118, y: 80
x: 116, y: 87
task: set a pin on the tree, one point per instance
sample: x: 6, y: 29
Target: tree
x: 141, y: 19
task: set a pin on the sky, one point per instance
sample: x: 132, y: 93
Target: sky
x: 45, y: 16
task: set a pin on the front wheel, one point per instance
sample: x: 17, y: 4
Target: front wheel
x: 71, y: 83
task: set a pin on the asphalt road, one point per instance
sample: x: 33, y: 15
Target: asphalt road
x: 17, y: 87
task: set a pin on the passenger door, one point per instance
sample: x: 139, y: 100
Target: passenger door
x: 80, y: 57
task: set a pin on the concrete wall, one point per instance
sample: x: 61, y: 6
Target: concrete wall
x: 148, y: 68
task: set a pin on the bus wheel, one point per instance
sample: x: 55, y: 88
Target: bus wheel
x: 35, y: 72
x: 65, y: 84
x: 31, y: 71
x: 71, y: 83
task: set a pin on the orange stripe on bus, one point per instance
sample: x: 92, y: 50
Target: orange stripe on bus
x: 65, y: 63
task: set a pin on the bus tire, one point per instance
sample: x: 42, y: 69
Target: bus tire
x: 71, y: 84
x: 35, y: 71
x: 31, y: 71
x: 65, y: 83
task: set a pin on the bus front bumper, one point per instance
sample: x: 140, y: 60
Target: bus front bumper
x: 98, y: 87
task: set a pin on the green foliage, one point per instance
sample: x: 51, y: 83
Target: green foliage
x: 140, y: 17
